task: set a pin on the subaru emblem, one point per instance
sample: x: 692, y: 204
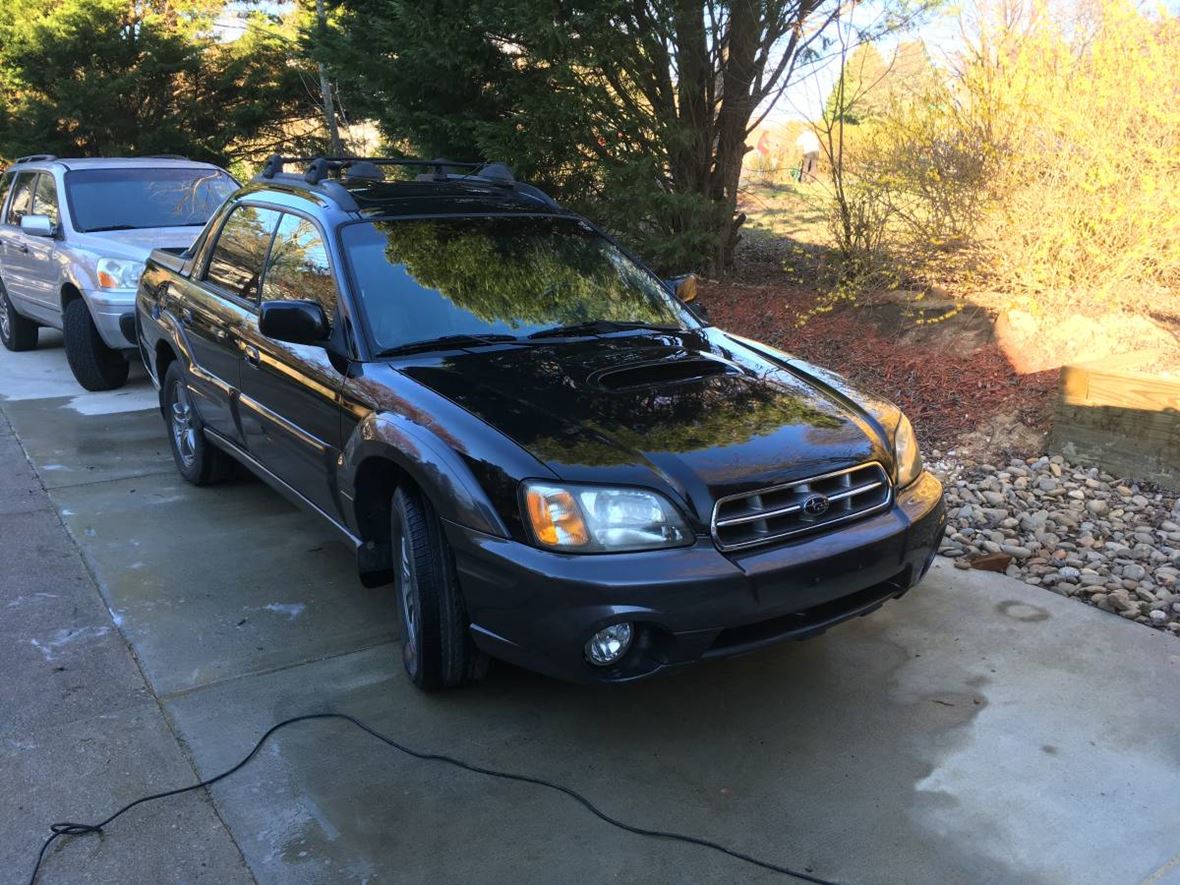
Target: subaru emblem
x: 816, y: 505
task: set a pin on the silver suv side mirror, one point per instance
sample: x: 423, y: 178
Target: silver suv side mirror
x: 38, y: 226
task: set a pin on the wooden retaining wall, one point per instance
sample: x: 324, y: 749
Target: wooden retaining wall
x: 1115, y: 414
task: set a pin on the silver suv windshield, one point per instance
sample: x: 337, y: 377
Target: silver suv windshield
x: 135, y: 198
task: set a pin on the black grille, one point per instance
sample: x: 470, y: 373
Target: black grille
x: 806, y: 505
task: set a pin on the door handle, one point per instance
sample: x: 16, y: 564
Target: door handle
x: 21, y: 247
x: 186, y: 315
x: 251, y: 354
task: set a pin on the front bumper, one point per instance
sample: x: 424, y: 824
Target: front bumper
x: 536, y: 608
x: 107, y: 308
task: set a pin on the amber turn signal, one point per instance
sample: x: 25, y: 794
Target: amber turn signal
x: 555, y: 517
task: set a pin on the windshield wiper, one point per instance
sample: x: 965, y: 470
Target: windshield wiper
x: 599, y: 327
x: 96, y: 230
x: 444, y: 341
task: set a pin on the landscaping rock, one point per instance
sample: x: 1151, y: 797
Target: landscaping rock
x: 1076, y: 531
x: 993, y: 561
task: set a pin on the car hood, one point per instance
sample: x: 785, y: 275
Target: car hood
x: 697, y: 413
x: 136, y: 245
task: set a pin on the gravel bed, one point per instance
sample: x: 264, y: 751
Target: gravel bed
x: 1076, y: 531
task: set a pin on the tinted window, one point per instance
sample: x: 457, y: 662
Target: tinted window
x: 299, y: 267
x: 22, y: 197
x: 236, y: 263
x: 419, y: 280
x: 130, y: 198
x: 5, y: 186
x: 45, y: 197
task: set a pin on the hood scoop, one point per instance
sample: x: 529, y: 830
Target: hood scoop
x: 659, y: 373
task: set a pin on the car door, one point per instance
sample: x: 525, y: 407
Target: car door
x: 15, y: 265
x: 39, y: 256
x: 289, y: 404
x: 214, y: 309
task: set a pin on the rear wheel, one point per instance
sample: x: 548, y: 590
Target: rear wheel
x: 95, y: 366
x: 436, y: 649
x: 198, y: 461
x: 16, y: 332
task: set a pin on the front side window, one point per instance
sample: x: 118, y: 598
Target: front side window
x: 45, y: 197
x: 137, y: 197
x: 298, y: 268
x: 22, y: 197
x: 235, y: 265
x: 423, y: 279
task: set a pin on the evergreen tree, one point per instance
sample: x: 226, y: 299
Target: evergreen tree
x: 110, y: 77
x: 636, y: 111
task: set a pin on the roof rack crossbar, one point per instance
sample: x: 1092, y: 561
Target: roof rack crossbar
x: 319, y: 168
x: 319, y: 173
x: 35, y: 158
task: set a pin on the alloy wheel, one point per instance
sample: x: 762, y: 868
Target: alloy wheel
x: 407, y: 584
x: 184, y: 434
x: 5, y: 321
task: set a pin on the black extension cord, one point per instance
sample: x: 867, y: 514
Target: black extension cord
x: 72, y: 829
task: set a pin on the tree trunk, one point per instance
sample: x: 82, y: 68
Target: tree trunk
x: 334, y: 145
x: 737, y: 77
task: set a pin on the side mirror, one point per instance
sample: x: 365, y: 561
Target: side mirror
x: 685, y: 287
x: 38, y: 226
x: 295, y: 322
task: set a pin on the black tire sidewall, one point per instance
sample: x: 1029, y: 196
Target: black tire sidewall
x: 95, y: 366
x: 22, y: 332
x: 444, y: 655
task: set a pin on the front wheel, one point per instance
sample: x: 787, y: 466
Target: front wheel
x: 198, y: 461
x: 436, y: 649
x: 95, y: 366
x: 16, y: 332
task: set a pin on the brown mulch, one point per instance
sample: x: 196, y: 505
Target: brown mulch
x: 947, y: 384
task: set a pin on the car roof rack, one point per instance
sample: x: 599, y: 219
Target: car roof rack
x: 35, y: 158
x: 319, y: 171
x: 165, y: 157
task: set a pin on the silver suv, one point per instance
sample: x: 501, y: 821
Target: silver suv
x: 74, y: 235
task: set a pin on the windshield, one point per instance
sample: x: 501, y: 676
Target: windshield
x: 507, y: 276
x: 133, y: 198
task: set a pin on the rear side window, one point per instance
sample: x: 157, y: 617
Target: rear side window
x: 238, y: 255
x: 5, y: 187
x: 45, y: 197
x: 298, y: 268
x: 22, y: 197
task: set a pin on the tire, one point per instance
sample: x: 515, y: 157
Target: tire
x: 95, y: 366
x: 199, y: 461
x: 436, y: 649
x: 17, y: 332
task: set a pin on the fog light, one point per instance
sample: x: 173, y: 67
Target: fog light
x: 609, y: 644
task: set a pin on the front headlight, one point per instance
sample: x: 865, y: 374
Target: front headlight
x: 116, y: 273
x: 597, y: 519
x: 906, y: 454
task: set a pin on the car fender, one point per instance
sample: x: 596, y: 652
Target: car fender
x: 80, y: 270
x: 168, y: 328
x: 438, y: 469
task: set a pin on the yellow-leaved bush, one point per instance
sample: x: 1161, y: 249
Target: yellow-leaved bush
x: 1050, y: 156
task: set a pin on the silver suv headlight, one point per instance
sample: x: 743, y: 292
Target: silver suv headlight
x: 906, y: 454
x: 601, y: 519
x: 118, y: 273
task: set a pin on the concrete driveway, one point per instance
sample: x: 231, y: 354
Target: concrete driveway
x: 979, y: 730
